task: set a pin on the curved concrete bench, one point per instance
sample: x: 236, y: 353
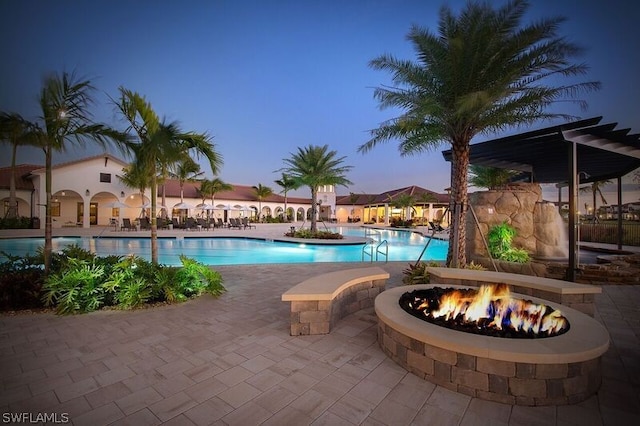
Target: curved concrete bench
x: 580, y: 297
x: 319, y: 302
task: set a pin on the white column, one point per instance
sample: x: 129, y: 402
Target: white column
x: 86, y: 223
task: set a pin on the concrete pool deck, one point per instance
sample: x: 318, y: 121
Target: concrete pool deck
x: 231, y: 361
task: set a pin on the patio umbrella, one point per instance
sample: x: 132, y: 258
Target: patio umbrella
x: 183, y: 206
x: 117, y: 205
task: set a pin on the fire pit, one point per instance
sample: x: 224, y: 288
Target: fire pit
x: 561, y: 369
x: 489, y: 310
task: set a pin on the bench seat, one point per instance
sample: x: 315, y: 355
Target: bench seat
x: 319, y: 302
x: 574, y: 295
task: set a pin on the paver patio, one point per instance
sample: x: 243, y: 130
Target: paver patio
x: 231, y: 361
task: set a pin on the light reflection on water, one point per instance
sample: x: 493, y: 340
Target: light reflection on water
x: 403, y: 245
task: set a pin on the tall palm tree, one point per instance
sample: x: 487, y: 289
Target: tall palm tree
x: 17, y: 131
x: 261, y: 193
x: 596, y: 189
x: 287, y: 183
x: 314, y: 166
x: 482, y: 72
x: 160, y: 144
x: 64, y: 103
x: 489, y: 177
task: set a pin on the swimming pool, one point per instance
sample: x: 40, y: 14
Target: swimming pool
x: 403, y: 245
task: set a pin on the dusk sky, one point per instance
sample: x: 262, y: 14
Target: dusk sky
x: 267, y: 77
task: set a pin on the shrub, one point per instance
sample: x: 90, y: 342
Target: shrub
x: 21, y: 222
x: 88, y: 282
x: 321, y: 235
x: 417, y: 273
x: 75, y: 290
x: 501, y: 244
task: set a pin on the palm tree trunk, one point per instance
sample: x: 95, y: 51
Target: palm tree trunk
x: 12, y: 212
x: 456, y: 255
x: 48, y: 232
x: 314, y: 196
x: 154, y: 223
x: 164, y: 202
x: 594, y: 206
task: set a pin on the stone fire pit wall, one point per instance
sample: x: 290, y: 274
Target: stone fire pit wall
x: 520, y: 205
x: 559, y: 370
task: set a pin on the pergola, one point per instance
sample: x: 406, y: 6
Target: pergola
x: 569, y: 154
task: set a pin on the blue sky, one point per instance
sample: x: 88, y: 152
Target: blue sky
x: 266, y: 77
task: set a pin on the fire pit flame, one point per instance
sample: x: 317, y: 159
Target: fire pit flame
x: 488, y: 308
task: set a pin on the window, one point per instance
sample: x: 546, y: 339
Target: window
x: 55, y: 208
x: 105, y: 177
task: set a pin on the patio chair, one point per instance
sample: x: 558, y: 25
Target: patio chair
x: 246, y: 224
x: 235, y: 223
x: 145, y: 223
x: 126, y: 224
x: 176, y: 224
x: 190, y: 224
x: 219, y: 223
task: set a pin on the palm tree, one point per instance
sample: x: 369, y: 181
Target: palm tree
x: 314, y: 166
x: 185, y: 170
x: 404, y: 201
x: 261, y: 192
x: 482, y: 72
x: 211, y: 187
x: 160, y: 144
x: 596, y: 189
x: 287, y: 183
x: 138, y: 178
x: 64, y: 102
x: 17, y: 131
x: 489, y: 177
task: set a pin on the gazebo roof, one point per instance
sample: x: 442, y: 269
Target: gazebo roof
x: 602, y: 152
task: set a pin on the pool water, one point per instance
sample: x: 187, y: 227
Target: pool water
x: 403, y: 245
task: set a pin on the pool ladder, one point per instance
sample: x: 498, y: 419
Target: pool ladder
x: 375, y: 247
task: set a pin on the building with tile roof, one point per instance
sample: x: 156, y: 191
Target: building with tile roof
x: 89, y: 192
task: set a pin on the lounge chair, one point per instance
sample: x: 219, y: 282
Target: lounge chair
x: 235, y: 223
x: 145, y: 223
x: 176, y: 224
x: 246, y: 224
x: 190, y: 224
x: 436, y: 227
x: 126, y: 224
x: 219, y: 223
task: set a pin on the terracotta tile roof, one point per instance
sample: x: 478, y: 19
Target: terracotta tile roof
x: 22, y: 176
x: 239, y: 193
x: 385, y: 197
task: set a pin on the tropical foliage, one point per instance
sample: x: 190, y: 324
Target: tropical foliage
x: 596, y: 189
x: 17, y: 131
x: 313, y: 166
x: 64, y: 101
x: 489, y: 177
x: 500, y: 241
x: 287, y: 183
x: 82, y: 282
x: 482, y: 72
x: 261, y: 192
x: 159, y: 145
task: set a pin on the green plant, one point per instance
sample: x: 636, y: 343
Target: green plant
x: 475, y: 266
x: 75, y: 290
x: 309, y: 234
x: 192, y: 279
x: 501, y: 244
x: 417, y: 273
